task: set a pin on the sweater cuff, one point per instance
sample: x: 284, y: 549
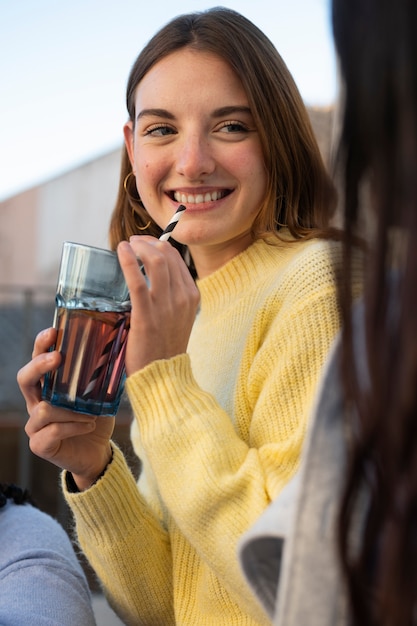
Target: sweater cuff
x: 114, y: 495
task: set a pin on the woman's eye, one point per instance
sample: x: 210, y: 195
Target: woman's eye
x: 159, y: 130
x: 233, y: 127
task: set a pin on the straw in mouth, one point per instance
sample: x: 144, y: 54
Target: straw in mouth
x: 168, y: 230
x: 172, y: 223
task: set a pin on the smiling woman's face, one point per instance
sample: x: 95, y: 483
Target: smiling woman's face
x: 194, y: 142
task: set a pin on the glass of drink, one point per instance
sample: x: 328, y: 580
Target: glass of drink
x: 92, y: 317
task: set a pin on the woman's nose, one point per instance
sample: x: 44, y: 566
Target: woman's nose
x: 194, y: 159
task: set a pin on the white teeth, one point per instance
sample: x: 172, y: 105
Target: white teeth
x: 197, y: 198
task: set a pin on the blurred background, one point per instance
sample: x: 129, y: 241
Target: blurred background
x: 63, y: 71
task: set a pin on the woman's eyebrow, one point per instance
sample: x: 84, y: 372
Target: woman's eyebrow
x: 229, y: 110
x: 155, y: 113
x: 221, y: 112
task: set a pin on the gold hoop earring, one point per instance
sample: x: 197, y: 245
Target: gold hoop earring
x: 129, y: 195
x: 144, y: 227
x: 140, y: 227
x: 125, y: 182
x: 132, y: 200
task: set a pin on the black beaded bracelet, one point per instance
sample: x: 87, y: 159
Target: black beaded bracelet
x: 70, y: 483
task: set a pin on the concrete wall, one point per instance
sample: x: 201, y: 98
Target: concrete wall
x: 74, y: 206
x: 18, y: 241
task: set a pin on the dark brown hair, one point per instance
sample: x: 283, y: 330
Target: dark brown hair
x: 377, y: 47
x: 299, y: 191
x: 15, y: 494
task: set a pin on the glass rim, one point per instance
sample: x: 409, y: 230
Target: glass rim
x: 86, y: 246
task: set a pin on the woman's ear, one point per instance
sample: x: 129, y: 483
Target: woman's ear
x: 129, y: 142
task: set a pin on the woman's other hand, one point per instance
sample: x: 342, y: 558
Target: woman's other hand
x: 72, y: 441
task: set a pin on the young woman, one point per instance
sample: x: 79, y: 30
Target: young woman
x: 221, y: 371
x: 350, y: 553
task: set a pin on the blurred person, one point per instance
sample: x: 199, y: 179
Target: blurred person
x: 41, y: 580
x: 226, y: 344
x: 338, y: 546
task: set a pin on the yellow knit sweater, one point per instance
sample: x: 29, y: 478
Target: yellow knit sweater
x: 219, y: 431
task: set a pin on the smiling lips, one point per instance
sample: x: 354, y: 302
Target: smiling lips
x: 198, y: 198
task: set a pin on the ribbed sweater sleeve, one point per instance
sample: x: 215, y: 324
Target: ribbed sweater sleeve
x: 126, y: 545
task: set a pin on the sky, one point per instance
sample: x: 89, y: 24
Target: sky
x: 64, y: 66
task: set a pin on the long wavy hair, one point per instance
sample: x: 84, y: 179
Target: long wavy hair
x: 299, y: 193
x: 376, y: 43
